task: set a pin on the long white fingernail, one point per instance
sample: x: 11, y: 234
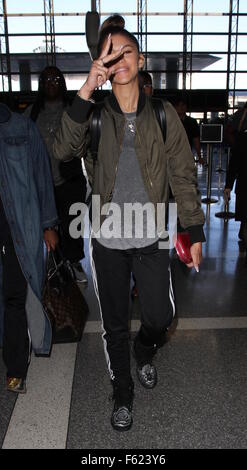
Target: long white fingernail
x: 197, y: 269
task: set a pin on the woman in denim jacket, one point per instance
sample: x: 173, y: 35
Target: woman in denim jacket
x: 27, y: 217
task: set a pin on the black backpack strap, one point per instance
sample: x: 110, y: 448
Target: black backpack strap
x: 95, y: 129
x: 95, y: 124
x: 160, y: 115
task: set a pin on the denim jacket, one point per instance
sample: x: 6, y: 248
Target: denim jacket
x: 26, y: 191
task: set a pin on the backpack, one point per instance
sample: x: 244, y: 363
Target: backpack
x: 95, y: 124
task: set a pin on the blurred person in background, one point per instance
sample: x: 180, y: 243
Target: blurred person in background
x: 190, y: 125
x: 236, y: 136
x: 68, y: 178
x: 145, y: 82
x: 27, y: 218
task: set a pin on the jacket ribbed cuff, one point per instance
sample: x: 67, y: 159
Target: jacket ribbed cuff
x: 196, y: 233
x: 80, y: 110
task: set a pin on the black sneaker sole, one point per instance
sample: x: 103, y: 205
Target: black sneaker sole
x: 122, y: 428
x: 21, y: 390
x: 148, y: 387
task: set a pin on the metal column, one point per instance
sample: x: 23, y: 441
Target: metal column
x: 232, y: 50
x: 142, y: 27
x: 187, y: 43
x: 209, y: 199
x: 4, y: 49
x: 49, y: 32
x: 95, y: 6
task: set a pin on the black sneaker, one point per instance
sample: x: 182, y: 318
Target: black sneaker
x: 145, y: 370
x: 147, y: 375
x: 121, y: 419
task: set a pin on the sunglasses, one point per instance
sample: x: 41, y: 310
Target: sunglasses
x: 55, y: 80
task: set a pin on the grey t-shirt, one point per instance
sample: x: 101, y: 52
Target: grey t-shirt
x: 133, y: 229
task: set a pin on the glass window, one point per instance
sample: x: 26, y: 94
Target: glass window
x: 211, y: 24
x: 241, y: 80
x: 16, y: 6
x: 21, y: 44
x: 165, y: 24
x: 26, y: 25
x: 242, y: 43
x: 71, y: 6
x: 210, y: 43
x: 15, y: 82
x: 218, y: 6
x: 165, y: 43
x: 242, y: 24
x: 34, y: 82
x: 130, y: 23
x: 74, y: 82
x: 71, y: 44
x: 209, y: 80
x: 158, y: 5
x: 4, y: 86
x: 241, y: 62
x: 69, y: 24
x: 242, y: 6
x: 37, y: 44
x: 109, y: 7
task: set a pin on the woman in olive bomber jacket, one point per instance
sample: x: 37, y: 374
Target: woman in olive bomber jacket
x: 133, y: 165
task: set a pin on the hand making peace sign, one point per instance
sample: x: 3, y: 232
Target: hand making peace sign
x: 99, y: 74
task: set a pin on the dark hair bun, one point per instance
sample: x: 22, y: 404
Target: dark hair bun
x: 114, y: 21
x: 115, y: 24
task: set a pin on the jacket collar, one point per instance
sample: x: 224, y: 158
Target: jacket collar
x: 115, y: 106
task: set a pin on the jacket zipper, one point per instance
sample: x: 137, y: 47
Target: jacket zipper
x: 149, y: 179
x: 146, y: 166
x: 120, y: 151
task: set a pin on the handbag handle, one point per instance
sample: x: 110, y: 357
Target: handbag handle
x: 50, y: 272
x: 50, y: 257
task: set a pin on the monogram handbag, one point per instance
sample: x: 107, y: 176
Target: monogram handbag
x: 63, y: 301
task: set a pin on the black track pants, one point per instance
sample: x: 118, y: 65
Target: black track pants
x: 112, y: 272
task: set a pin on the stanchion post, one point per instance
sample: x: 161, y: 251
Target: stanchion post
x: 208, y: 199
x: 220, y: 169
x: 226, y: 214
x: 228, y: 157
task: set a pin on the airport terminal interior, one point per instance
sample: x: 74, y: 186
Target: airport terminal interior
x: 199, y: 49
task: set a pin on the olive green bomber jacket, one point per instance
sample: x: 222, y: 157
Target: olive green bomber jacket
x: 161, y: 164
